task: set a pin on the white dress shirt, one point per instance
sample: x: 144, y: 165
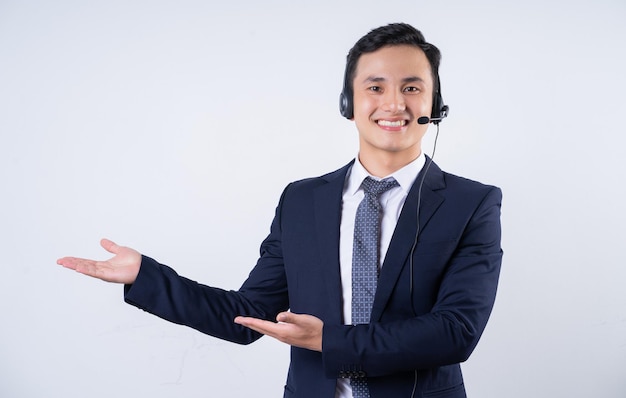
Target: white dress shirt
x: 391, y: 202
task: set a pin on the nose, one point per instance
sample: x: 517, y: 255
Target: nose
x: 394, y: 102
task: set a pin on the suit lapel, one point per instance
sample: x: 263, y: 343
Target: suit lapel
x: 404, y: 234
x: 327, y: 203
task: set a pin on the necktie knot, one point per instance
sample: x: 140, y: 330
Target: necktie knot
x: 376, y: 188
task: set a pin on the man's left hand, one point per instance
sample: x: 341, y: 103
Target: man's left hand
x: 299, y: 330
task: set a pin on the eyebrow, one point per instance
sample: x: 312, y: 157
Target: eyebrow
x: 378, y: 79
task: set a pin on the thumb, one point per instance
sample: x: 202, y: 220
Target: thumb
x: 286, y: 317
x: 109, y: 246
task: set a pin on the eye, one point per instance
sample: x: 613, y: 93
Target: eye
x: 411, y: 89
x: 375, y: 89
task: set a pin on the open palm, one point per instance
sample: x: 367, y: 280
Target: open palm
x: 123, y: 267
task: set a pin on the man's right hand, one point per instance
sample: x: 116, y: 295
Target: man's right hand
x: 123, y: 267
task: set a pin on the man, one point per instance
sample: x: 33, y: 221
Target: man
x: 380, y: 275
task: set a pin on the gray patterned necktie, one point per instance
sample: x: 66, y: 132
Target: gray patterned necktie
x: 365, y: 260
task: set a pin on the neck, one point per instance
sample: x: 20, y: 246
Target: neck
x: 385, y: 164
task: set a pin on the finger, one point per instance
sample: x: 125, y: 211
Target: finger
x: 287, y: 317
x: 109, y: 246
x: 72, y: 262
x: 248, y: 321
x: 259, y: 325
x: 242, y: 320
x: 301, y: 320
x: 64, y: 261
x: 86, y: 267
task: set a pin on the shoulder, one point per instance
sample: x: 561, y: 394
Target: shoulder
x: 335, y: 176
x: 465, y: 184
x: 325, y: 189
x: 450, y: 184
x: 464, y: 192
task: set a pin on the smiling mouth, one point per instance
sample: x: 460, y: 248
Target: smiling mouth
x: 390, y: 123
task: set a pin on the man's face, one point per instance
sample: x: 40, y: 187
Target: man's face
x: 393, y: 87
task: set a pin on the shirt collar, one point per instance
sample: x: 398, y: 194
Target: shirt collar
x: 405, y: 176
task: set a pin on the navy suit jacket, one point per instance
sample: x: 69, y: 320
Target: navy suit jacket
x: 424, y: 322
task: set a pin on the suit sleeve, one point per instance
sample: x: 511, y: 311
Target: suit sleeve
x: 450, y: 331
x: 159, y: 290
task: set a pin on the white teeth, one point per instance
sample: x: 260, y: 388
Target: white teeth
x: 389, y: 123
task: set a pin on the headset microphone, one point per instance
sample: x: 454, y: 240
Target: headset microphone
x: 443, y: 113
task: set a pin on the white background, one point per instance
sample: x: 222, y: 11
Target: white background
x: 172, y: 127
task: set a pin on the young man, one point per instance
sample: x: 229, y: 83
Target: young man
x: 398, y: 328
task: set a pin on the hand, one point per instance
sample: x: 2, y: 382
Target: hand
x: 121, y: 268
x: 298, y: 330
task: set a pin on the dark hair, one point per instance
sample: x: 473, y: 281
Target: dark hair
x: 391, y: 35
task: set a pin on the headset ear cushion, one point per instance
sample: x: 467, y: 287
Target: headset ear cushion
x: 345, y: 105
x: 437, y: 107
